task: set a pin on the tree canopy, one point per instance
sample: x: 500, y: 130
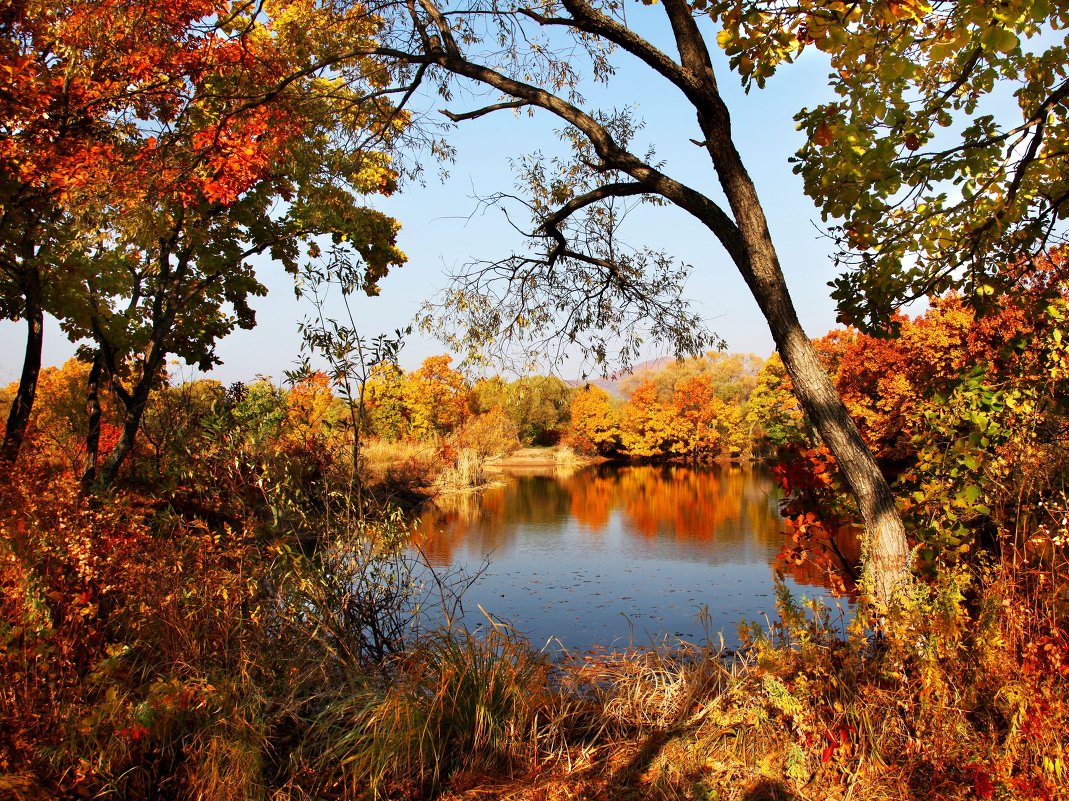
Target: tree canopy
x: 945, y: 159
x: 179, y: 142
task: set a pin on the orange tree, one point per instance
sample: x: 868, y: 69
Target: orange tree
x: 695, y: 408
x: 595, y: 422
x: 966, y: 411
x: 177, y: 129
x: 708, y: 426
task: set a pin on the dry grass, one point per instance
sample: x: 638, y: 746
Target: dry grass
x: 383, y: 459
x: 466, y: 472
x: 566, y: 456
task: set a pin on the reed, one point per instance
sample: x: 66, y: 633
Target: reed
x: 461, y: 702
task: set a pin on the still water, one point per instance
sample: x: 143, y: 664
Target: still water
x: 612, y: 556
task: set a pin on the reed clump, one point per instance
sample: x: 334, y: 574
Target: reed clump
x: 459, y: 703
x: 466, y: 470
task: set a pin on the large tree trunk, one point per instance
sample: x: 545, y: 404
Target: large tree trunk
x: 19, y: 416
x: 886, y: 549
x: 886, y: 552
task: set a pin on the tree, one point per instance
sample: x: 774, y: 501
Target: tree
x: 947, y: 156
x: 710, y: 427
x: 56, y: 142
x: 384, y: 394
x: 595, y: 422
x: 581, y: 278
x: 648, y: 427
x: 772, y: 409
x: 240, y: 123
x: 436, y: 397
x: 537, y: 405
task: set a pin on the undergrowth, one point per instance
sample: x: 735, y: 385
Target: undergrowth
x: 146, y: 654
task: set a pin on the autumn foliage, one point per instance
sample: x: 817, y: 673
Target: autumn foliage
x: 714, y: 407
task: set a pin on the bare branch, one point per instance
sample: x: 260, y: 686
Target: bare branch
x: 480, y: 112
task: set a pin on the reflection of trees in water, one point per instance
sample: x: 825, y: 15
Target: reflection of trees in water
x: 700, y: 507
x: 487, y: 521
x: 832, y: 565
x: 593, y: 496
x: 445, y: 523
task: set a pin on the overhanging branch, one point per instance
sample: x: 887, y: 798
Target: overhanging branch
x: 481, y: 112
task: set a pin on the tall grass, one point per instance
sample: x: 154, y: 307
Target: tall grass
x: 466, y: 471
x: 460, y: 702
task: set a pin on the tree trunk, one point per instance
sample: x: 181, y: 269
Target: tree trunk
x: 135, y: 410
x: 92, y: 438
x: 19, y: 416
x: 886, y: 551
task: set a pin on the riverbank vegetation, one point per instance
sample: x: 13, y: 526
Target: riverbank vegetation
x: 237, y: 617
x: 150, y: 652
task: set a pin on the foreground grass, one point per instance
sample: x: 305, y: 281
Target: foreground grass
x: 144, y: 655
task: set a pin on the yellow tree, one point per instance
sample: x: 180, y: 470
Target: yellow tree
x: 648, y: 427
x: 436, y: 397
x: 384, y: 399
x: 595, y: 422
x: 311, y: 408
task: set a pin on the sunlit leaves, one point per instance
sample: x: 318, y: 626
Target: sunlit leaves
x: 945, y: 157
x: 595, y: 422
x: 170, y: 143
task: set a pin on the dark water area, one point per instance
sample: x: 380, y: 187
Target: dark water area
x: 613, y: 556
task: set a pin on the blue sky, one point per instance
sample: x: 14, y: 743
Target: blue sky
x: 440, y: 236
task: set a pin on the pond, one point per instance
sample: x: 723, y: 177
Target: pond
x: 612, y: 556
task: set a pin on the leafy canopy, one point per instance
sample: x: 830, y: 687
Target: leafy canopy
x: 945, y: 158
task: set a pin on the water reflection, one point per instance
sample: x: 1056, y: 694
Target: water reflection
x: 605, y: 553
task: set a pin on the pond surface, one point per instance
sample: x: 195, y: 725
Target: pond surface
x: 608, y: 556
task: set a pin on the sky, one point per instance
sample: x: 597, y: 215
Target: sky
x: 443, y: 227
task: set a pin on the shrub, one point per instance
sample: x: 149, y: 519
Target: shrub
x: 488, y: 435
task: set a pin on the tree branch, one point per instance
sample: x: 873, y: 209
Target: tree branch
x: 590, y: 20
x: 614, y: 156
x: 480, y: 112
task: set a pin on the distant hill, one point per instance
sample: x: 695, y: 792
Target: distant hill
x: 615, y: 380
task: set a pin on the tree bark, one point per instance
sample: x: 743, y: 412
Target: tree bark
x: 19, y: 416
x: 92, y: 437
